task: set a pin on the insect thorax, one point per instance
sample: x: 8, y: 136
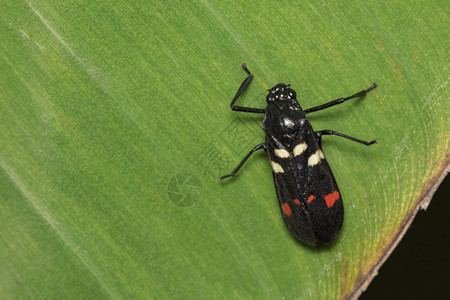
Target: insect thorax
x: 285, y: 119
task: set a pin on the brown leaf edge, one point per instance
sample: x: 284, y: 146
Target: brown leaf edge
x: 363, y: 280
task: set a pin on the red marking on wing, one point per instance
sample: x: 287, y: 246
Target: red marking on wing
x: 296, y: 201
x: 311, y: 198
x: 287, y: 209
x: 330, y: 199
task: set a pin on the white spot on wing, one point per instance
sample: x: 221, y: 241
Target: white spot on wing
x: 300, y: 148
x: 276, y: 167
x: 314, y: 159
x: 321, y: 154
x: 281, y: 153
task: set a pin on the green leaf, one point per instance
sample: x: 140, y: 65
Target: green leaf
x: 115, y: 126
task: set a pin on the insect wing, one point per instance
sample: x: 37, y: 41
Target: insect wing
x: 308, y: 195
x: 323, y: 201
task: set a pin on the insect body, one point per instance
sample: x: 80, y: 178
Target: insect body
x: 309, y: 198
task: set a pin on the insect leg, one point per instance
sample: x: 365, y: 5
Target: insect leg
x: 340, y: 100
x: 256, y: 148
x: 331, y: 132
x: 241, y: 89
